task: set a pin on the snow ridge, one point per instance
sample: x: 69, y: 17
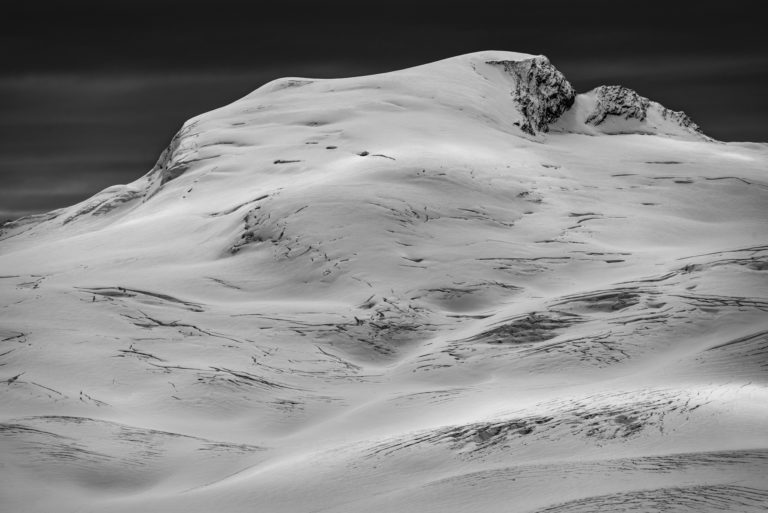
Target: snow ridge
x: 680, y: 118
x: 174, y: 161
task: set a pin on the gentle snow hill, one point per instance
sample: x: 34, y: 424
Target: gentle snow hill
x: 457, y: 287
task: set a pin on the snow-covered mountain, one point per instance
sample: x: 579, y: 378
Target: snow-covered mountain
x: 456, y: 287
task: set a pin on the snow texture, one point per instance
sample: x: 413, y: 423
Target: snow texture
x: 456, y: 287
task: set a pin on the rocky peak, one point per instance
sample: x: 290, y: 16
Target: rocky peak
x: 627, y: 111
x: 542, y: 94
x: 615, y: 100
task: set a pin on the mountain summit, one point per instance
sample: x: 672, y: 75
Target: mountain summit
x: 513, y: 93
x: 456, y: 287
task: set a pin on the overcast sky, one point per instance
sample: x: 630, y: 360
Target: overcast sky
x: 92, y: 91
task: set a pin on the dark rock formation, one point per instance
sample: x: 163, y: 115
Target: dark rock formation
x: 627, y: 104
x: 618, y: 101
x: 542, y: 93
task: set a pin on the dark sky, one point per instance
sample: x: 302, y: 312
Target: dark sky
x: 92, y: 91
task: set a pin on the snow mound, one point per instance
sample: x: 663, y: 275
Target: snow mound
x: 441, y: 289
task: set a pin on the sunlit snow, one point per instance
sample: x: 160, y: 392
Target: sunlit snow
x: 386, y: 294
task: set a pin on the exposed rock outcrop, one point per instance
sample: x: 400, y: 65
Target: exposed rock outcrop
x: 620, y: 101
x: 542, y: 93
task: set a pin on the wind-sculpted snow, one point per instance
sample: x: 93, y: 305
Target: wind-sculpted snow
x: 175, y: 159
x: 445, y: 288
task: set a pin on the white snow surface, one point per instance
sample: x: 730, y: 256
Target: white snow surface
x: 380, y: 294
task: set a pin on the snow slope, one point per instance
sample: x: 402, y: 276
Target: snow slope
x: 456, y: 287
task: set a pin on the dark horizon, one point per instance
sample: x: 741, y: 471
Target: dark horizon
x: 90, y: 94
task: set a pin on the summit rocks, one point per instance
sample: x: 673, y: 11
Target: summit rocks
x: 618, y: 109
x: 541, y: 93
x: 618, y: 101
